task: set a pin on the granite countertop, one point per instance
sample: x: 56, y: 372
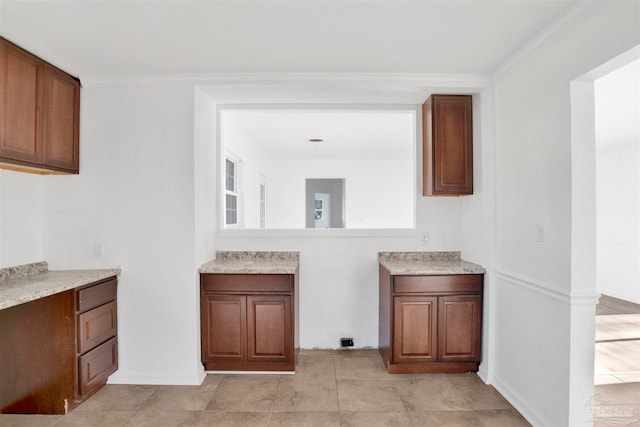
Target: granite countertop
x: 30, y: 282
x: 427, y: 263
x: 252, y: 262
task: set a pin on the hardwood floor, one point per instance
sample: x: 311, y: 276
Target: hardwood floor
x: 616, y: 396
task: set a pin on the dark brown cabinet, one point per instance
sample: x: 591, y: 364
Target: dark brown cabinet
x: 62, y: 349
x: 430, y: 323
x: 249, y: 321
x: 39, y: 114
x: 447, y: 145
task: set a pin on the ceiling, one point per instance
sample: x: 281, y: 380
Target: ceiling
x: 125, y: 38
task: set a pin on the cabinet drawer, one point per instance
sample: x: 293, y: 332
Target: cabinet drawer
x: 437, y: 284
x: 247, y: 282
x: 97, y: 365
x: 96, y: 326
x: 96, y: 295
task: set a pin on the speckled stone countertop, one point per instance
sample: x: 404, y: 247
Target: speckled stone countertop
x: 30, y: 282
x: 251, y: 262
x: 427, y: 263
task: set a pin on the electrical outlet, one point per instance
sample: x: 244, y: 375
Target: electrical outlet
x: 346, y: 342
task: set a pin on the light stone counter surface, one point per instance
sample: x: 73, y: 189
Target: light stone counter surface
x: 30, y: 282
x: 427, y: 263
x: 252, y: 262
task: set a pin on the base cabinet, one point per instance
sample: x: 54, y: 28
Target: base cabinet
x: 57, y: 351
x: 248, y: 322
x: 430, y: 323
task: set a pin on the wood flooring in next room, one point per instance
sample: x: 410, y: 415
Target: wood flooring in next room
x: 616, y: 396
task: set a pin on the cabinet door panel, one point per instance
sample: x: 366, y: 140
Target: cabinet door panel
x: 270, y: 330
x: 61, y: 116
x: 415, y: 329
x: 21, y: 80
x: 460, y: 328
x: 224, y: 333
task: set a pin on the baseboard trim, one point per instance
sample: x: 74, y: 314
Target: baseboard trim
x: 157, y: 378
x: 534, y: 417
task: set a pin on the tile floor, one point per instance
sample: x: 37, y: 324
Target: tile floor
x: 330, y: 388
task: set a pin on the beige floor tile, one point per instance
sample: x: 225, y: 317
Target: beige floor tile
x: 305, y: 419
x: 445, y: 419
x: 365, y: 368
x: 211, y: 381
x: 254, y: 393
x: 316, y: 367
x: 96, y: 419
x: 478, y: 394
x: 375, y: 419
x: 306, y: 395
x: 164, y: 418
x: 501, y: 418
x: 179, y: 398
x: 19, y: 420
x: 368, y: 395
x: 431, y: 394
x: 318, y: 352
x: 233, y: 419
x: 360, y: 352
x: 115, y: 397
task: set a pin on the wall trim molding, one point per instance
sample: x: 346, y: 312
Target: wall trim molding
x: 560, y: 24
x: 471, y: 81
x: 572, y: 298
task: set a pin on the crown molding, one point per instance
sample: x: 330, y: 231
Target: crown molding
x: 462, y: 81
x: 560, y: 24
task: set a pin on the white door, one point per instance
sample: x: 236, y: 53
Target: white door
x: 322, y: 213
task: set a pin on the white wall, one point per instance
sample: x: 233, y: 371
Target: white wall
x: 21, y: 218
x: 617, y: 118
x: 135, y: 195
x: 543, y: 320
x: 378, y: 193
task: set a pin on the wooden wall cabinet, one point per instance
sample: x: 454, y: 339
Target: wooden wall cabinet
x: 39, y: 114
x: 249, y: 321
x: 447, y: 145
x: 59, y: 350
x: 430, y: 323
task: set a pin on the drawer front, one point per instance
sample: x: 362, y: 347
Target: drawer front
x: 96, y: 365
x: 245, y: 283
x: 96, y: 326
x: 96, y: 295
x: 437, y: 284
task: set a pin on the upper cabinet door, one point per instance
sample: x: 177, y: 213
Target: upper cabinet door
x: 21, y: 81
x: 61, y: 115
x: 447, y: 145
x: 39, y: 114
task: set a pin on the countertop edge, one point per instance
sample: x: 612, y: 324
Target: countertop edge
x: 31, y: 288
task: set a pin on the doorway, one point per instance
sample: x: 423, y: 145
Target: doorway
x: 324, y: 202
